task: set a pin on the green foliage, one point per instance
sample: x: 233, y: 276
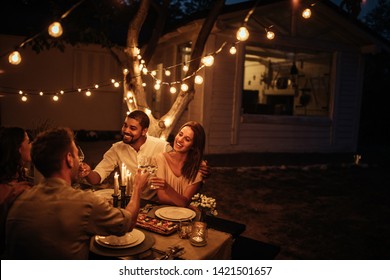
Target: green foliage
x: 379, y: 18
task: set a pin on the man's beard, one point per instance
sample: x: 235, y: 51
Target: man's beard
x: 128, y: 139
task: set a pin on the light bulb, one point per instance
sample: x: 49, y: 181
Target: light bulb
x: 55, y: 98
x: 270, y: 35
x: 306, y: 13
x: 157, y: 86
x: 242, y: 34
x: 208, y: 60
x: 185, y: 67
x: 184, y: 87
x: 96, y: 86
x: 145, y: 70
x: 24, y: 98
x: 15, y: 58
x: 233, y: 50
x: 154, y: 73
x: 172, y: 90
x: 116, y: 84
x: 41, y: 93
x: 198, y: 80
x: 167, y: 73
x: 55, y: 29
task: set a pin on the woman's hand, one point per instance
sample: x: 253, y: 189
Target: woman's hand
x: 158, y: 183
x: 205, y: 170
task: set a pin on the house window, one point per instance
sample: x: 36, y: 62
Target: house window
x: 282, y: 82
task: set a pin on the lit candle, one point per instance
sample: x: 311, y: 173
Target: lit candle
x: 128, y: 178
x: 123, y: 175
x: 116, y: 183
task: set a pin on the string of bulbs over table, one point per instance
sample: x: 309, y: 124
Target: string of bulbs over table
x: 55, y: 30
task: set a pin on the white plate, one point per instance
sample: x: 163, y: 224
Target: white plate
x: 130, y: 239
x: 175, y: 213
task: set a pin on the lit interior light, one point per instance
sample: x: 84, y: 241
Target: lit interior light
x: 41, y: 93
x: 140, y: 67
x: 55, y: 29
x: 172, y: 89
x: 129, y: 94
x: 143, y: 61
x: 144, y: 84
x: 145, y: 70
x: 208, y: 60
x: 242, y: 34
x: 113, y: 81
x: 15, y: 58
x: 125, y: 71
x: 62, y: 92
x: 148, y: 111
x: 157, y: 86
x: 20, y: 92
x: 233, y: 50
x: 116, y: 84
x: 306, y: 13
x: 88, y: 93
x: 198, y: 80
x: 139, y: 57
x: 167, y: 73
x: 185, y: 67
x: 96, y: 86
x: 79, y: 89
x: 55, y: 98
x: 24, y: 98
x: 154, y: 73
x: 270, y: 35
x: 184, y: 87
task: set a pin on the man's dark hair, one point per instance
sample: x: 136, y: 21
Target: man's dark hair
x: 141, y: 117
x: 49, y: 149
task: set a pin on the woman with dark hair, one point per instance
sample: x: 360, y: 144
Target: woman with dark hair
x: 178, y: 177
x: 15, y: 149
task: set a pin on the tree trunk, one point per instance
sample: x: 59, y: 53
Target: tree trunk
x: 133, y: 90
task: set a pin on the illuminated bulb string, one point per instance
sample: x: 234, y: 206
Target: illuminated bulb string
x: 207, y: 61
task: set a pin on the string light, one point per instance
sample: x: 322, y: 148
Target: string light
x: 306, y: 14
x: 270, y: 35
x: 198, y: 80
x: 15, y: 58
x: 55, y: 29
x: 242, y: 34
x: 24, y: 98
x: 233, y: 50
x: 172, y: 90
x: 184, y: 87
x: 208, y: 60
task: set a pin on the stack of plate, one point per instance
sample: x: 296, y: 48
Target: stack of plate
x: 130, y: 239
x: 175, y: 214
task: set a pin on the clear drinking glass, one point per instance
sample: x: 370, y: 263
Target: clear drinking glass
x: 152, y: 169
x: 80, y: 154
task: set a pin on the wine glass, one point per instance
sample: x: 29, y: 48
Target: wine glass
x: 152, y: 169
x: 80, y: 154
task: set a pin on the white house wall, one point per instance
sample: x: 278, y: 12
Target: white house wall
x: 283, y: 133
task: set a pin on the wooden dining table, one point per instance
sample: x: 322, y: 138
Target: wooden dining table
x: 218, y: 247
